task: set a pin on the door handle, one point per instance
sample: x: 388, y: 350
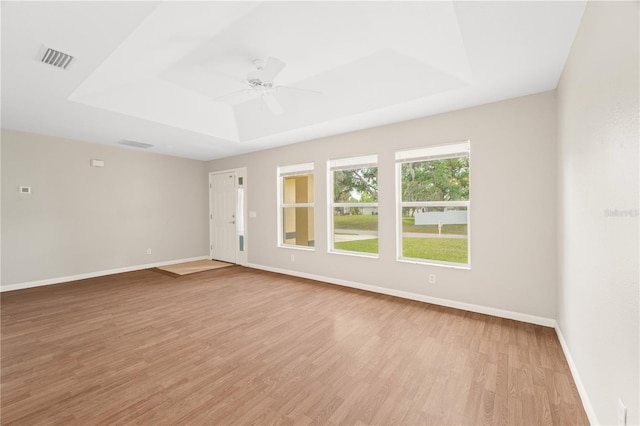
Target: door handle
x: 233, y: 222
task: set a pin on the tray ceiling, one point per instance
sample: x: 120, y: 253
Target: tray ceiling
x: 173, y: 74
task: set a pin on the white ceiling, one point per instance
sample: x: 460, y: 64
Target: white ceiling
x: 167, y: 73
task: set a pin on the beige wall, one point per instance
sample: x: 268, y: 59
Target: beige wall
x: 80, y: 219
x: 513, y: 206
x: 598, y: 290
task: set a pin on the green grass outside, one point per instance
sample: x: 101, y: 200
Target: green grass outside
x: 362, y: 246
x: 360, y: 222
x: 443, y: 249
x: 370, y: 223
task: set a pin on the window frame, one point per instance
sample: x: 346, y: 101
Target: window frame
x: 300, y: 169
x: 348, y: 163
x: 422, y: 154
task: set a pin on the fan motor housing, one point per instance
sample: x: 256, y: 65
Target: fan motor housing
x: 257, y: 82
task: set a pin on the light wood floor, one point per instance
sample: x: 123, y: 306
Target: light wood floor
x: 240, y: 346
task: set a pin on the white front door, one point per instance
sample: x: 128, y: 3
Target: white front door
x: 223, y: 216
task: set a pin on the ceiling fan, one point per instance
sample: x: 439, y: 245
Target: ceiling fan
x: 261, y: 83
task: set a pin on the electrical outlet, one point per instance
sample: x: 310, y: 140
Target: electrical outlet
x: 432, y: 278
x: 293, y: 257
x: 148, y: 252
x: 622, y: 413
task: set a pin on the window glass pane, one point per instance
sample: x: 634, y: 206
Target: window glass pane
x: 297, y: 189
x: 436, y: 180
x: 355, y: 229
x: 298, y: 226
x: 355, y: 185
x: 435, y: 233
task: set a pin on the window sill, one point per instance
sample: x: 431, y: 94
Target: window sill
x: 466, y: 267
x: 304, y: 248
x: 355, y: 254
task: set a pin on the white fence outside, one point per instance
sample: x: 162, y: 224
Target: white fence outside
x: 449, y: 217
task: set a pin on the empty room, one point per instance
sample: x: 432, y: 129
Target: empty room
x: 327, y: 213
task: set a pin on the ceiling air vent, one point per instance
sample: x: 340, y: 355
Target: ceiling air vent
x: 135, y: 144
x: 56, y: 58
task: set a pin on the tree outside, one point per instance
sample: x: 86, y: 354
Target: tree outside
x: 434, y: 180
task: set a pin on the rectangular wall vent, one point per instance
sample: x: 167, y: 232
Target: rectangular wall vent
x: 56, y: 58
x: 135, y: 144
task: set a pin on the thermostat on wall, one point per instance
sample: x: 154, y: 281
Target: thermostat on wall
x: 97, y: 163
x: 25, y: 190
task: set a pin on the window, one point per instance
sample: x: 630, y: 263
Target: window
x: 353, y: 206
x: 433, y: 208
x: 296, y: 206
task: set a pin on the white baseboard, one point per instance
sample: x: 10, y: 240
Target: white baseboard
x: 586, y: 403
x: 29, y: 284
x: 533, y: 319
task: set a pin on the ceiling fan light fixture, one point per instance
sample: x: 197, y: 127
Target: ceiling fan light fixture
x: 256, y: 82
x: 260, y: 80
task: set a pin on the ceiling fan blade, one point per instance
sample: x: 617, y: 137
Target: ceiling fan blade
x: 271, y: 69
x: 273, y: 104
x: 297, y: 89
x: 232, y: 95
